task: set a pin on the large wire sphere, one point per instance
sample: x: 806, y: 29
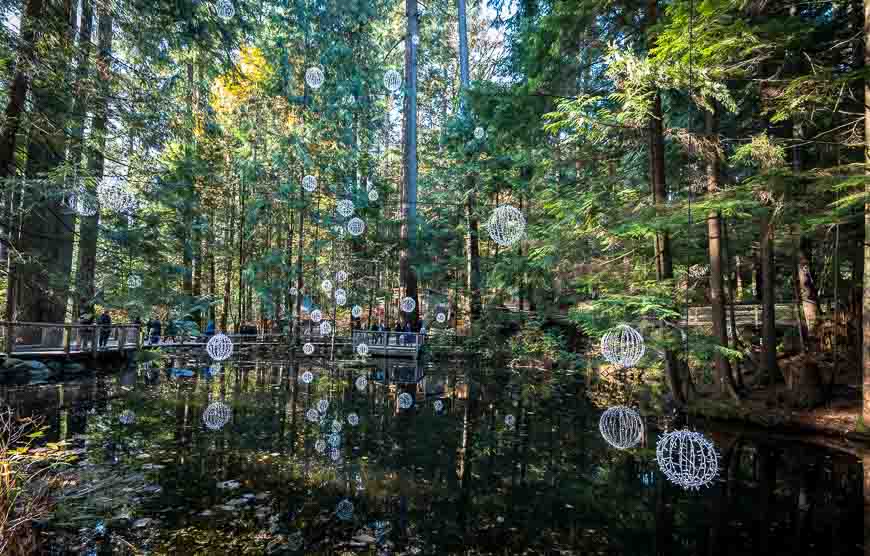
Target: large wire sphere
x: 308, y: 348
x: 687, y: 458
x: 361, y: 383
x: 320, y: 445
x: 340, y: 299
x: 114, y: 196
x: 621, y: 427
x: 344, y: 510
x: 294, y: 291
x: 325, y: 328
x: 479, y: 132
x: 341, y: 292
x: 345, y: 207
x: 441, y: 318
x: 225, y: 9
x: 219, y: 347
x: 356, y: 311
x: 510, y: 421
x: 309, y: 183
x: 362, y: 349
x: 314, y: 77
x: 312, y: 415
x: 334, y: 439
x: 326, y: 285
x: 415, y: 40
x: 506, y: 225
x: 322, y: 405
x: 341, y: 276
x: 356, y: 226
x: 438, y: 406
x: 392, y: 80
x: 408, y: 304
x: 85, y: 202
x: 307, y: 377
x: 316, y: 316
x: 336, y: 426
x: 353, y: 419
x: 373, y: 196
x: 622, y: 346
x: 127, y: 417
x: 335, y: 454
x: 405, y: 400
x: 134, y: 281
x: 216, y: 415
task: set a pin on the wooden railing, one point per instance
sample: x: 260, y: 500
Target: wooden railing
x: 34, y: 338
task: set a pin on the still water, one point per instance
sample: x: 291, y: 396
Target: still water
x: 482, y: 462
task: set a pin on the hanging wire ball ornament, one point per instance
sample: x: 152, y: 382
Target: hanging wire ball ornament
x: 307, y: 376
x: 316, y: 316
x: 216, y: 415
x: 134, y: 281
x: 361, y: 383
x: 621, y: 427
x: 341, y: 276
x: 356, y: 226
x: 308, y: 348
x: 326, y: 285
x: 225, y: 9
x: 325, y: 328
x: 353, y: 419
x: 506, y: 225
x: 408, y: 304
x: 392, y: 80
x: 312, y: 415
x: 415, y: 40
x: 479, y: 132
x: 345, y: 207
x: 85, y: 202
x: 334, y: 454
x: 622, y: 346
x: 441, y: 318
x: 373, y: 196
x: 127, y: 417
x: 309, y: 183
x: 405, y: 400
x: 219, y: 347
x: 314, y: 77
x: 687, y: 459
x: 438, y: 406
x: 334, y: 439
x: 356, y: 312
x: 322, y: 405
x: 341, y: 292
x: 114, y: 196
x: 294, y: 291
x: 510, y: 421
x: 320, y: 445
x: 344, y: 510
x: 362, y: 350
x: 336, y: 426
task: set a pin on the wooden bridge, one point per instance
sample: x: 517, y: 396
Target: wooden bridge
x: 64, y: 340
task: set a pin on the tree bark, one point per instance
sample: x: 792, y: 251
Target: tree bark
x: 409, y: 192
x: 866, y: 295
x: 768, y: 307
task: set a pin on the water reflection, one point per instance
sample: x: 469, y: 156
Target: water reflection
x: 490, y: 463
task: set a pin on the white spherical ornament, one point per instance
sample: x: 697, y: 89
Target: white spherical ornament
x: 219, y: 347
x: 441, y: 318
x: 356, y: 312
x: 322, y: 406
x: 356, y: 226
x: 510, y: 421
x: 225, y: 9
x: 334, y: 454
x: 345, y: 207
x: 392, y: 80
x: 341, y: 276
x: 308, y: 348
x: 340, y: 292
x: 479, y: 132
x: 344, y: 510
x: 405, y: 400
x: 506, y: 225
x: 415, y: 40
x: 336, y: 426
x: 408, y: 304
x: 307, y: 377
x: 340, y: 300
x: 85, y: 202
x: 622, y: 346
x: 293, y: 291
x: 325, y: 328
x: 353, y: 419
x: 309, y: 183
x: 134, y: 281
x: 216, y: 415
x: 127, y: 417
x: 438, y: 406
x: 361, y: 383
x: 687, y: 458
x: 326, y: 285
x: 373, y: 196
x: 312, y: 415
x: 621, y: 427
x: 314, y: 77
x: 316, y: 316
x: 334, y: 439
x: 320, y: 445
x: 362, y: 350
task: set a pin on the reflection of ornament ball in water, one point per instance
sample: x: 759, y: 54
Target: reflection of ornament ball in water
x: 325, y: 328
x: 314, y: 77
x: 334, y: 440
x: 219, y: 347
x: 621, y: 427
x: 373, y: 196
x: 340, y: 276
x: 622, y: 346
x: 361, y: 383
x: 506, y: 225
x: 308, y: 348
x: 336, y: 425
x: 326, y: 285
x: 510, y: 421
x: 316, y: 316
x: 322, y: 406
x: 312, y: 415
x: 353, y: 419
x: 134, y: 281
x: 687, y: 459
x: 214, y: 370
x: 345, y: 207
x: 438, y: 405
x: 294, y: 291
x: 309, y: 183
x: 344, y: 510
x: 320, y: 445
x: 392, y: 80
x: 356, y: 311
x: 479, y: 133
x: 225, y: 9
x: 415, y: 40
x: 127, y: 417
x: 356, y: 226
x: 408, y: 304
x: 335, y: 454
x: 340, y: 297
x: 441, y: 318
x: 405, y: 400
x: 307, y: 377
x: 362, y: 350
x: 216, y: 415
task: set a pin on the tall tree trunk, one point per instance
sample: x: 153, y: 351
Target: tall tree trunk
x: 715, y: 245
x: 809, y: 294
x: 409, y: 192
x: 768, y: 307
x: 866, y: 295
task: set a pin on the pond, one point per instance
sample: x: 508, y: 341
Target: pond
x: 475, y: 465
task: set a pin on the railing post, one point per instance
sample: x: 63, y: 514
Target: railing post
x: 67, y: 338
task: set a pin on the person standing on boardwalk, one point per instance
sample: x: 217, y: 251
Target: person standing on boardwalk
x: 105, y: 321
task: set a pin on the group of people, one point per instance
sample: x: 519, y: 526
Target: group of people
x: 406, y: 335
x: 87, y: 333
